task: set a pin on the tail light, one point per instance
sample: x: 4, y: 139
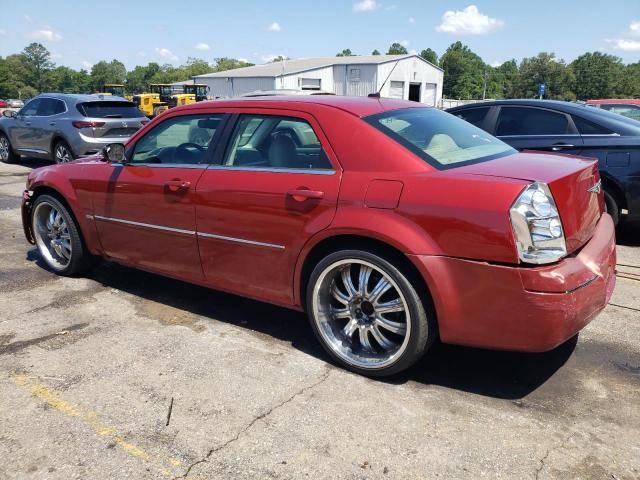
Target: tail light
x: 82, y: 124
x: 537, y: 227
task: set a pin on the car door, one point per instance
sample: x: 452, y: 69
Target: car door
x: 273, y: 188
x: 20, y: 130
x: 44, y: 124
x: 533, y: 128
x: 144, y: 209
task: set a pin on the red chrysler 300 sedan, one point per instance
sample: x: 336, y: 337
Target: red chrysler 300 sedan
x: 389, y: 223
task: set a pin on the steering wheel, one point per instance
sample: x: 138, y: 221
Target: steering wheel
x: 185, y: 147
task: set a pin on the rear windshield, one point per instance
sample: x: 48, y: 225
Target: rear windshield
x: 109, y: 110
x: 439, y: 138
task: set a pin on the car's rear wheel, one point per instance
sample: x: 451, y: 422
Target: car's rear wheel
x: 611, y: 207
x: 62, y: 153
x: 6, y: 151
x: 367, y: 313
x: 58, y: 237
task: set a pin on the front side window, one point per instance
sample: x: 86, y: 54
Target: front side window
x: 266, y: 141
x: 31, y: 108
x: 439, y: 138
x: 530, y: 121
x: 474, y: 116
x: 178, y: 140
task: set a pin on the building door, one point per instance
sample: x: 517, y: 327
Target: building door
x: 414, y: 92
x: 430, y: 90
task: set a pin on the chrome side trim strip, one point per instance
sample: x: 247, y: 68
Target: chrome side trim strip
x: 241, y: 240
x: 310, y: 171
x: 201, y: 166
x: 146, y: 225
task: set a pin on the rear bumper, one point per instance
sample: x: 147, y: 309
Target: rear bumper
x: 522, y: 309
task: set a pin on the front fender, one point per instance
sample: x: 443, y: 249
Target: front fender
x: 49, y: 179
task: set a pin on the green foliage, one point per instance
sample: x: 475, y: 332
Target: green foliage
x: 397, y: 49
x: 279, y: 58
x: 345, y: 53
x: 464, y: 72
x: 597, y: 75
x: 546, y: 68
x: 111, y: 72
x: 37, y: 64
x: 430, y: 56
x: 375, y: 52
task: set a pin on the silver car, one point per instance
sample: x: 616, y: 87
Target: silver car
x: 62, y: 127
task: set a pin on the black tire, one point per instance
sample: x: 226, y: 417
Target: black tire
x: 611, y: 207
x: 422, y: 331
x: 62, y: 152
x: 80, y: 260
x: 8, y: 155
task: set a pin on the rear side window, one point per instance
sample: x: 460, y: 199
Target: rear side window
x: 475, y: 116
x: 585, y: 127
x: 439, y: 138
x: 274, y: 142
x: 50, y: 106
x: 530, y: 121
x: 109, y: 110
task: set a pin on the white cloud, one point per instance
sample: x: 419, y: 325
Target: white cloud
x: 468, y: 21
x: 412, y: 20
x: 245, y: 60
x: 86, y: 64
x: 404, y: 43
x: 274, y: 27
x: 271, y: 58
x: 45, y: 34
x: 624, y: 44
x: 27, y: 19
x: 202, y: 46
x: 496, y: 64
x: 365, y: 6
x: 166, y: 53
x: 413, y: 51
x: 634, y: 28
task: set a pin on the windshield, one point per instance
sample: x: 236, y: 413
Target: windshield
x: 109, y: 110
x: 440, y: 138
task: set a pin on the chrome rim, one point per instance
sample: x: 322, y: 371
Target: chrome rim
x: 361, y: 314
x: 52, y: 235
x: 4, y: 148
x: 63, y: 155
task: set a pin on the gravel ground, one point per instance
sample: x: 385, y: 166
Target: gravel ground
x: 124, y: 374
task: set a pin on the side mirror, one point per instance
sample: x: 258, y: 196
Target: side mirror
x: 9, y: 113
x: 114, y: 153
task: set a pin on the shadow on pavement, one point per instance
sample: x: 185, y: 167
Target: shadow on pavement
x: 33, y: 162
x: 503, y: 375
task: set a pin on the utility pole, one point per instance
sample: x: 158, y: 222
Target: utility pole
x: 484, y: 85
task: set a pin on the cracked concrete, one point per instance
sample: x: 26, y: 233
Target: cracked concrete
x: 255, y: 397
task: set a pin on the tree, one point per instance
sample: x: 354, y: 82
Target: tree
x: 464, y: 72
x: 597, y: 75
x: 629, y: 84
x: 430, y: 56
x: 67, y: 80
x: 503, y: 81
x: 375, y: 52
x: 546, y: 68
x: 138, y: 78
x: 397, y: 49
x: 224, y: 63
x: 37, y: 63
x: 111, y: 72
x: 345, y: 53
x: 279, y: 58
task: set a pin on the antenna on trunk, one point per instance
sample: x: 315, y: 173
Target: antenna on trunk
x: 377, y: 94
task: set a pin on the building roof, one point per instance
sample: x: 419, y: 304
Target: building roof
x: 359, y: 106
x: 288, y: 67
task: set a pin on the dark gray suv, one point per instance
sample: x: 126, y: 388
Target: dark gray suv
x: 62, y: 127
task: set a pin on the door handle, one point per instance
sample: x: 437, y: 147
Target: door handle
x: 302, y: 194
x: 561, y: 146
x: 177, y: 185
x: 52, y: 123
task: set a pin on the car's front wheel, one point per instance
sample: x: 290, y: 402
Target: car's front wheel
x: 6, y: 151
x: 58, y: 237
x: 62, y: 153
x: 367, y: 313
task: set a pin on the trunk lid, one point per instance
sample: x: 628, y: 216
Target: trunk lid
x: 572, y: 180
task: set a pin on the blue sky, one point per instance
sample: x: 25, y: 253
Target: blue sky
x: 81, y: 33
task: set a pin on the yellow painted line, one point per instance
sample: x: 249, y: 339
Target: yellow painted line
x: 55, y: 400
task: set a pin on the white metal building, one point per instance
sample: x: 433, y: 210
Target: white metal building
x: 407, y: 76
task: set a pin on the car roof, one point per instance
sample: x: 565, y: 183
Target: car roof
x: 612, y: 121
x: 80, y: 98
x: 359, y: 106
